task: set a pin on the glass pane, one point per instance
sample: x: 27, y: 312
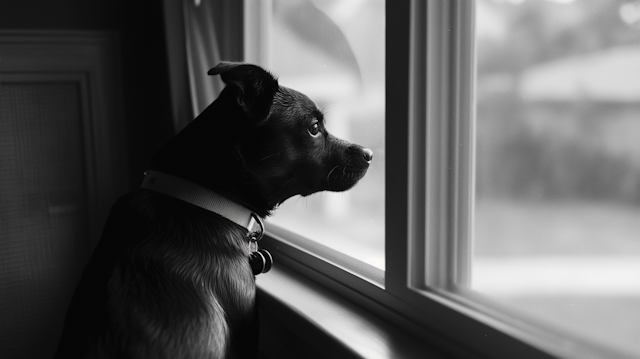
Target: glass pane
x: 557, y: 214
x: 333, y: 51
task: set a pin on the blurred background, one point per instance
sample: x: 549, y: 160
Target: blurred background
x: 557, y: 216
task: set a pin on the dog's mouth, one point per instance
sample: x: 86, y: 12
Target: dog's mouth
x: 344, y: 176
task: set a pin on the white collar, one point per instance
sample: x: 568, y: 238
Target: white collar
x: 205, y: 198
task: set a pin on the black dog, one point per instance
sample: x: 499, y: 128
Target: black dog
x: 170, y: 277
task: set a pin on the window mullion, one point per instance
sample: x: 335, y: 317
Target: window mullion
x: 397, y: 77
x: 437, y: 97
x: 448, y: 90
x: 462, y: 146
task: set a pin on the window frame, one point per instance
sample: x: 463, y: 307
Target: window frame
x: 429, y: 219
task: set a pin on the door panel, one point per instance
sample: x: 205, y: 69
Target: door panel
x: 58, y: 176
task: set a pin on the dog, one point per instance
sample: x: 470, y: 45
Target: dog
x: 172, y: 274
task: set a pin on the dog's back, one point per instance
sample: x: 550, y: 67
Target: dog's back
x: 168, y: 280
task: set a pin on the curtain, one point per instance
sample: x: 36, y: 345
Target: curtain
x: 200, y: 33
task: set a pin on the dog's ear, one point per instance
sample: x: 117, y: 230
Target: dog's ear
x: 252, y: 86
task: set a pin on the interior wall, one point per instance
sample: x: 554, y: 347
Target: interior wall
x: 140, y: 26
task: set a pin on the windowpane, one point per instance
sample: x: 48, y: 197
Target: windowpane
x: 333, y: 51
x: 557, y: 216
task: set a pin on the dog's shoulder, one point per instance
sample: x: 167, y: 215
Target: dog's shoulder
x: 161, y: 260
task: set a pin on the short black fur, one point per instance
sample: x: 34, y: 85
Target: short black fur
x: 172, y: 280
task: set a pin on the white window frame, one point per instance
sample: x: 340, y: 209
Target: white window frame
x: 430, y: 144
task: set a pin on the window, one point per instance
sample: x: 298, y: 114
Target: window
x: 557, y: 212
x: 333, y: 51
x: 455, y: 212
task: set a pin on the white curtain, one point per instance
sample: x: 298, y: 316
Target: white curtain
x: 200, y: 33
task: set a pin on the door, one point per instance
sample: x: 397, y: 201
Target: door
x: 52, y: 205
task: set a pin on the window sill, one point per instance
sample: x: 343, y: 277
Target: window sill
x: 302, y: 319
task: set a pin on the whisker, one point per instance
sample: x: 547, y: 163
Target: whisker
x: 275, y: 154
x: 330, y: 172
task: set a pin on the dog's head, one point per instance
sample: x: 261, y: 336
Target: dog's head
x: 260, y: 143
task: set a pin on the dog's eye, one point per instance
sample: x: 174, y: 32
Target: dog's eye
x: 314, y: 130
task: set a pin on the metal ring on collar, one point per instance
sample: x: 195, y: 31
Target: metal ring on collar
x: 255, y: 236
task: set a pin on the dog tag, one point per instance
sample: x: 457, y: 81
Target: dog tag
x: 260, y: 261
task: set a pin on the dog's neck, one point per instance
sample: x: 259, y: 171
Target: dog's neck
x: 203, y: 198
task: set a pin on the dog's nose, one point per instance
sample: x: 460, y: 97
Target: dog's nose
x: 367, y: 154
